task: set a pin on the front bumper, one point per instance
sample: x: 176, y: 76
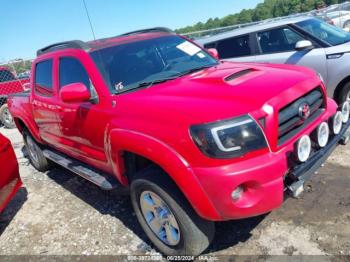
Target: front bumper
x: 264, y: 178
x: 303, y: 172
x: 10, y: 181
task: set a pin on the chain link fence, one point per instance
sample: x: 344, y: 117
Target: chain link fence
x: 14, y: 78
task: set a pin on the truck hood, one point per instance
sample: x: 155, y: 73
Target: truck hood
x: 224, y: 91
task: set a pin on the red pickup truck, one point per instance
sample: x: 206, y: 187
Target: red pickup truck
x: 10, y: 180
x: 195, y: 139
x: 9, y: 84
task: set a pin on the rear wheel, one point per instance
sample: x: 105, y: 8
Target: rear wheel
x: 35, y: 153
x: 166, y: 217
x: 6, y: 117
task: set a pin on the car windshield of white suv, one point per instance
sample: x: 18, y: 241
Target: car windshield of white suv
x: 142, y: 64
x: 325, y: 32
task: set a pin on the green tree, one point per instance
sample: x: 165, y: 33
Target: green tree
x: 245, y: 16
x: 265, y: 10
x: 261, y: 12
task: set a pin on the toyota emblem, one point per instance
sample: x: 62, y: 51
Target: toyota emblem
x: 304, y: 111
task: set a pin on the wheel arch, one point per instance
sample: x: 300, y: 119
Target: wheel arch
x: 122, y: 142
x: 339, y: 87
x: 23, y: 125
x: 346, y: 22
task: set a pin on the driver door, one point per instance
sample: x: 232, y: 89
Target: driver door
x: 81, y: 124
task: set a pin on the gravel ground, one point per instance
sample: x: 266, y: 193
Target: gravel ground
x: 58, y: 213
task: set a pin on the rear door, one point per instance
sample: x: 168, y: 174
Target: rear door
x: 238, y: 48
x: 44, y: 101
x: 277, y: 46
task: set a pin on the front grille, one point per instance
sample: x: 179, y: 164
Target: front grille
x: 290, y: 122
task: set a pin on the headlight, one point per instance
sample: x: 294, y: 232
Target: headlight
x: 229, y: 138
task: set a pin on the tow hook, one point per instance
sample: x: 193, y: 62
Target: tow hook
x: 296, y: 189
x: 345, y: 138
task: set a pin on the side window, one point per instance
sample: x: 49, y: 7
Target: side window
x: 72, y: 71
x: 6, y: 76
x: 234, y: 47
x: 278, y: 40
x: 210, y: 45
x: 43, y: 78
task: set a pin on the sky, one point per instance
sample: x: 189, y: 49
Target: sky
x: 27, y: 25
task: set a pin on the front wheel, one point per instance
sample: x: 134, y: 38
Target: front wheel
x: 166, y: 217
x: 344, y: 94
x: 6, y: 117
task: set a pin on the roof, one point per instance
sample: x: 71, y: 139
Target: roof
x: 251, y: 29
x: 4, y: 68
x: 105, y: 42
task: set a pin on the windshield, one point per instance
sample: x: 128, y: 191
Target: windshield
x: 132, y: 65
x: 324, y: 31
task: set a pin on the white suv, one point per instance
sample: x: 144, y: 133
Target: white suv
x: 302, y: 41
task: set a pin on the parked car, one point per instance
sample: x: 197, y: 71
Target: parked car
x: 325, y: 18
x: 196, y: 140
x: 10, y: 180
x: 340, y: 18
x: 9, y: 84
x: 301, y: 41
x: 24, y: 75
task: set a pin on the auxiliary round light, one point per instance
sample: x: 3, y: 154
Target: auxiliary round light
x: 303, y: 148
x: 322, y: 134
x: 345, y: 110
x: 337, y: 123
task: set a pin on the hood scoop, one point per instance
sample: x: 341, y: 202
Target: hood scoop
x: 239, y: 74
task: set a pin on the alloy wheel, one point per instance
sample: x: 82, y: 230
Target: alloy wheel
x: 160, y: 218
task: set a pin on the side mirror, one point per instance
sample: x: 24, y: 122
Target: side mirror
x: 74, y: 93
x: 303, y: 45
x: 213, y: 52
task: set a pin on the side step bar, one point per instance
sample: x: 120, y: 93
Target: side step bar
x: 104, y: 181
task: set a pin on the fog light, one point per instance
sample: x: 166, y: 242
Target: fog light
x: 237, y: 193
x: 345, y: 110
x: 337, y: 123
x: 322, y: 134
x: 303, y: 148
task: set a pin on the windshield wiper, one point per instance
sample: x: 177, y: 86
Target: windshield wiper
x: 190, y: 71
x: 147, y: 84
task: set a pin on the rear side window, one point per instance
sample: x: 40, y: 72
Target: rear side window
x: 6, y: 76
x: 43, y: 78
x: 210, y: 45
x: 234, y: 47
x: 278, y: 40
x: 72, y: 71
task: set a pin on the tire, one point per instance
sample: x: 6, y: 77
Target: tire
x: 6, y: 118
x: 191, y: 234
x: 35, y: 153
x: 344, y: 94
